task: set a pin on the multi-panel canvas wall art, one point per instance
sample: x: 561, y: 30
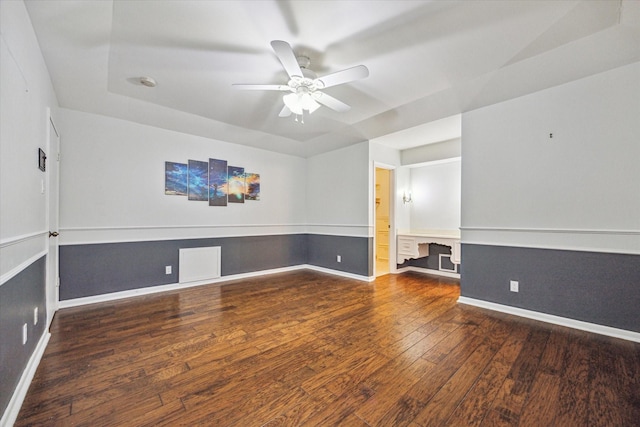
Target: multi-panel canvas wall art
x: 218, y: 182
x: 175, y: 178
x: 236, y: 184
x: 252, y: 185
x: 213, y: 181
x: 198, y: 180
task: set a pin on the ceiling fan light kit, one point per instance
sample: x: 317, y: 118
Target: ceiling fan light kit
x: 300, y: 101
x: 304, y: 85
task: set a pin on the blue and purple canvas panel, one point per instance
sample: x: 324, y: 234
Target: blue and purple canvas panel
x: 175, y: 178
x: 236, y: 184
x: 218, y: 182
x: 198, y: 180
x: 252, y: 184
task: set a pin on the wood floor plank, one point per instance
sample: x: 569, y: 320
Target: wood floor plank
x: 542, y: 403
x: 479, y: 399
x: 245, y: 401
x: 390, y: 382
x: 308, y: 348
x: 512, y: 397
x: 415, y: 398
x: 572, y: 399
x: 339, y: 410
x: 441, y: 407
x: 272, y: 410
x: 614, y: 397
x: 115, y: 412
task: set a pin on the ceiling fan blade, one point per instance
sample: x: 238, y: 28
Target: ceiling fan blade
x: 286, y: 112
x: 287, y: 57
x: 331, y: 102
x: 261, y: 87
x: 344, y: 76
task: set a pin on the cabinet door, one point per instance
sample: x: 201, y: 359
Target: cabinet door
x: 406, y: 245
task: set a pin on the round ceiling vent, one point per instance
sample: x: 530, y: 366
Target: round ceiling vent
x: 147, y: 81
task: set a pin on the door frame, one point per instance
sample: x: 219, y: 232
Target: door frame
x: 52, y: 294
x: 392, y: 212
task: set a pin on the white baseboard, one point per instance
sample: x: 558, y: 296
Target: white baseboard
x: 341, y: 273
x: 428, y: 271
x: 175, y: 286
x: 164, y: 288
x: 556, y: 320
x: 13, y: 409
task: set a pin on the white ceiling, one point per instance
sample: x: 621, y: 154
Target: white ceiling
x: 428, y: 60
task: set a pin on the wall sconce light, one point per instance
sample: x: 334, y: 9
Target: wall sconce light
x: 406, y: 199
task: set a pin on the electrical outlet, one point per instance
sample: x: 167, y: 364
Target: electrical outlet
x: 339, y: 258
x: 167, y: 269
x: 24, y: 334
x: 514, y: 286
x: 35, y: 316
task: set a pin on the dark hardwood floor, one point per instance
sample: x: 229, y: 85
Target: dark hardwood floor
x: 307, y: 348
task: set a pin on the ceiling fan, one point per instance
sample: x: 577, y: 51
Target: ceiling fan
x: 305, y: 86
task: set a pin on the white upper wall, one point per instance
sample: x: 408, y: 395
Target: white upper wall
x: 433, y: 152
x: 435, y: 193
x: 112, y: 179
x: 27, y: 96
x: 427, y: 133
x: 579, y: 189
x: 337, y: 197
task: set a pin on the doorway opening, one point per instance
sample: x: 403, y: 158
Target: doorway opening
x: 383, y: 220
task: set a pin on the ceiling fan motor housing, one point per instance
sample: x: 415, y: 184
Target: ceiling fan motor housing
x: 304, y: 84
x: 307, y: 83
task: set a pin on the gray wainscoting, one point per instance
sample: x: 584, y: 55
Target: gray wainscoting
x: 600, y: 288
x: 18, y: 297
x: 356, y: 253
x: 96, y: 269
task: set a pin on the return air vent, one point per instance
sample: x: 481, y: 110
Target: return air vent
x: 199, y: 264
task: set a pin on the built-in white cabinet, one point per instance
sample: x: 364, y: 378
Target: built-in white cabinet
x: 416, y: 244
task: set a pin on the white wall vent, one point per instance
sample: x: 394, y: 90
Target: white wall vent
x: 198, y: 264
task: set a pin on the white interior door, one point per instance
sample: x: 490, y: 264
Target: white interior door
x: 53, y: 178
